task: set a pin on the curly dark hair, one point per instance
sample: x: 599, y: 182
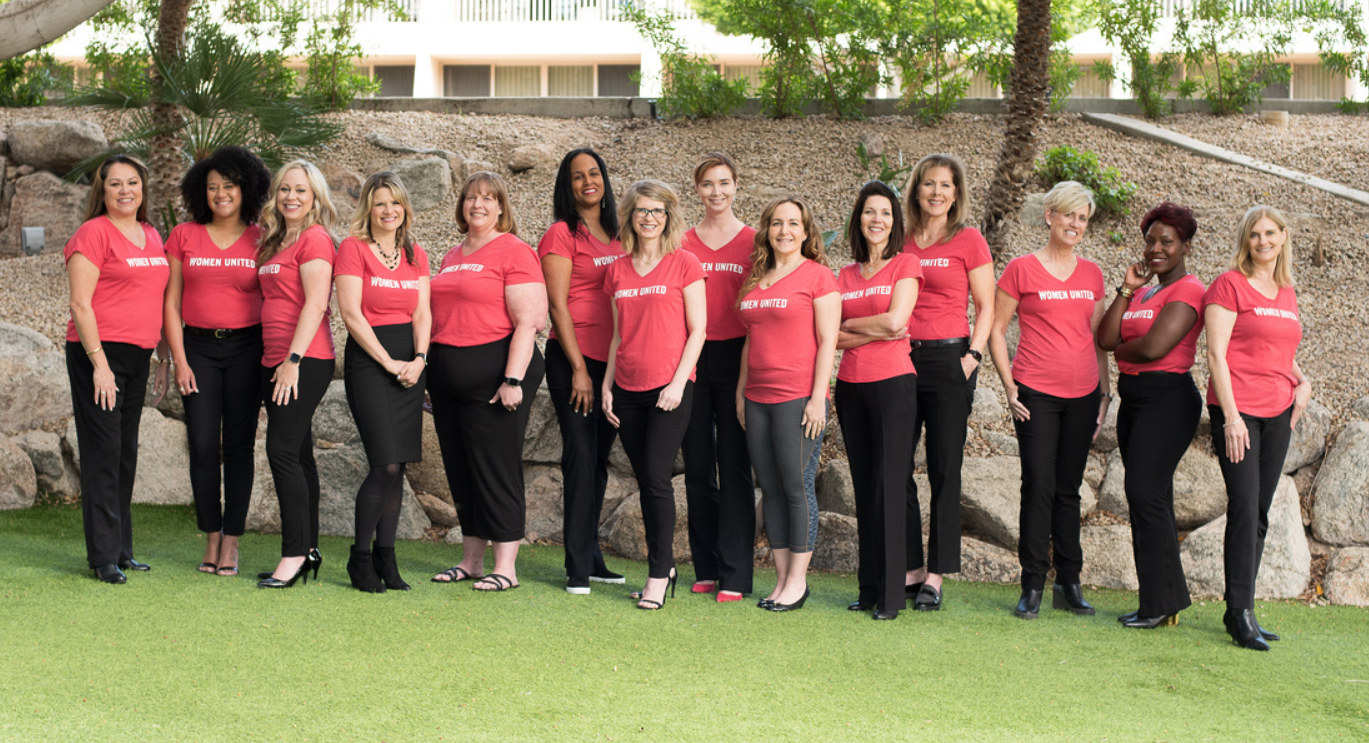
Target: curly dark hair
x: 1176, y: 216
x: 237, y: 164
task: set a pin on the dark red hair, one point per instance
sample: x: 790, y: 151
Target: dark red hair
x: 1176, y: 216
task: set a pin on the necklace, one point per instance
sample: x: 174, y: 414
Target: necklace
x: 390, y: 259
x: 1158, y: 287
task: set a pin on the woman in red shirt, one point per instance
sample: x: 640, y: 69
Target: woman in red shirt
x: 1057, y: 393
x: 382, y: 291
x: 792, y: 312
x: 718, y: 483
x: 1154, y: 335
x: 877, y: 392
x: 212, y: 320
x: 295, y: 268
x: 956, y: 265
x: 489, y: 303
x: 117, y: 273
x: 576, y: 253
x: 1255, y: 394
x: 660, y: 318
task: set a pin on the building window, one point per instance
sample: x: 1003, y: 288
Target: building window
x: 1313, y: 82
x: 396, y: 81
x: 575, y: 81
x: 750, y: 73
x: 466, y: 80
x: 980, y: 87
x: 1089, y: 85
x: 523, y: 81
x: 616, y: 80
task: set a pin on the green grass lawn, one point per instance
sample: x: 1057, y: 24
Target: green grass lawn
x: 178, y: 655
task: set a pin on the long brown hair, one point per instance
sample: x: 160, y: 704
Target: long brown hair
x: 959, y: 211
x: 763, y: 257
x: 274, y: 230
x: 361, y: 221
x: 95, y: 200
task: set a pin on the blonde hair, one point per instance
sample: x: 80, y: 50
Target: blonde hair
x: 274, y: 231
x: 361, y: 221
x: 95, y: 199
x: 763, y: 256
x: 671, y: 236
x: 495, y: 185
x: 959, y: 211
x: 1067, y: 196
x: 1243, y: 261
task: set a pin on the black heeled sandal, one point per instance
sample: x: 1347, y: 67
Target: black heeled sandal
x: 300, y: 575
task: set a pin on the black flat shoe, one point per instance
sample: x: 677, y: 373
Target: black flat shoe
x: 777, y: 606
x: 1129, y: 616
x: 1245, y: 631
x: 911, y: 590
x: 134, y: 565
x: 110, y: 574
x: 1164, y: 620
x: 765, y: 604
x: 928, y: 599
x: 1070, y: 596
x: 1029, y: 605
x: 883, y: 615
x: 861, y: 605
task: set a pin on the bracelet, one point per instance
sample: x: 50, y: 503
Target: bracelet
x: 92, y: 353
x: 1304, y: 379
x: 1228, y: 424
x: 1126, y: 293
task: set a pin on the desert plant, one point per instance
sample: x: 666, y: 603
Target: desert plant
x: 1110, y: 192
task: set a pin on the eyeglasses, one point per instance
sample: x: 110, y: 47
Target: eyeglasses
x: 644, y: 213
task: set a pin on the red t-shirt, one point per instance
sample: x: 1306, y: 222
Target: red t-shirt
x: 128, y: 295
x: 468, y: 291
x: 651, y: 319
x: 861, y: 297
x: 387, y: 297
x: 219, y: 285
x: 1140, y: 315
x: 283, y: 298
x: 1056, y: 353
x: 782, y: 340
x: 1263, y: 342
x: 590, y: 310
x: 726, y: 269
x: 940, y: 311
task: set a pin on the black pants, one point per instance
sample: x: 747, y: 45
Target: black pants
x: 944, y: 400
x: 1250, y: 487
x: 651, y: 438
x: 718, y: 485
x: 1054, y: 451
x: 1155, y: 425
x: 585, y: 444
x: 290, y: 450
x: 108, y: 441
x: 482, y: 443
x: 228, y: 376
x: 877, y: 425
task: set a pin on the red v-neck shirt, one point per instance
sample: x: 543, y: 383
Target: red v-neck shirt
x: 862, y: 297
x: 652, y: 328
x: 782, y: 342
x: 1056, y: 353
x: 1264, y: 341
x: 726, y: 269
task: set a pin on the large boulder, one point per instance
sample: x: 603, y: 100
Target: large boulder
x: 344, y: 184
x: 440, y: 512
x: 43, y: 200
x: 1347, y: 576
x: 628, y: 537
x: 56, y: 474
x: 835, y: 492
x: 991, y: 497
x: 545, y: 506
x: 1285, y: 567
x: 49, y: 144
x: 1199, y: 490
x: 428, y: 180
x: 35, y: 392
x: 1360, y: 408
x: 1001, y: 443
x: 837, y: 543
x: 530, y: 156
x: 163, y: 477
x: 986, y: 408
x: 429, y: 475
x: 18, y: 483
x: 1107, y: 435
x: 542, y: 440
x: 1108, y: 558
x: 471, y: 167
x: 333, y: 417
x: 1309, y: 438
x: 1340, y: 511
x: 982, y: 562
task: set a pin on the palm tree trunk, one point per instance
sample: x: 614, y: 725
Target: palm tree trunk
x: 26, y: 25
x: 166, y: 161
x: 1028, y: 103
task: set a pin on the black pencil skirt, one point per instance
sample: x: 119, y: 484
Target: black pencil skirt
x: 388, y: 416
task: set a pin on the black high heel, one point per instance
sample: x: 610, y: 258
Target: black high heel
x: 1164, y: 620
x: 1245, y: 631
x: 652, y: 604
x: 362, y: 571
x: 384, y: 560
x: 301, y: 573
x: 316, y: 558
x: 1070, y: 596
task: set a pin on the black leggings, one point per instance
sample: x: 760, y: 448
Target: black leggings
x: 108, y: 443
x: 651, y: 438
x: 1250, y: 487
x: 718, y: 485
x: 290, y: 450
x: 585, y: 444
x: 877, y: 425
x: 228, y: 376
x: 1054, y: 451
x: 1155, y: 425
x: 944, y: 400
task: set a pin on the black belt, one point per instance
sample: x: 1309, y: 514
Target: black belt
x: 941, y: 343
x: 221, y: 333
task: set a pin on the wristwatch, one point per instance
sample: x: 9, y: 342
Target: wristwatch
x: 977, y: 355
x: 513, y: 381
x: 423, y: 356
x: 295, y: 358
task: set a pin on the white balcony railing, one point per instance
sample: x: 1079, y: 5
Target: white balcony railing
x: 539, y: 11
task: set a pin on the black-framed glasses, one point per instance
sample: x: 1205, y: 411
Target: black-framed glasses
x: 644, y: 213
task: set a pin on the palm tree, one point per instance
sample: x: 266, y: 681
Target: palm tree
x: 26, y: 25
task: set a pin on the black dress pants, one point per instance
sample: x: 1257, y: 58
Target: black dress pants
x: 877, y: 424
x: 944, y: 400
x: 718, y: 485
x: 651, y: 438
x: 1054, y: 451
x: 223, y: 413
x: 1250, y: 487
x: 1155, y: 425
x: 108, y: 442
x: 585, y: 444
x: 290, y: 450
x: 482, y: 443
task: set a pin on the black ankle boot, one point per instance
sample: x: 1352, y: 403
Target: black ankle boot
x: 1246, y: 631
x: 384, y: 560
x: 1071, y: 596
x: 363, y: 573
x: 1030, y: 604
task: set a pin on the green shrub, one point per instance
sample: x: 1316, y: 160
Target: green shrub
x: 29, y: 79
x: 1110, y: 192
x: 690, y: 86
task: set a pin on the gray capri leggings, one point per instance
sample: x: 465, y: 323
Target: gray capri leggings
x: 786, y: 464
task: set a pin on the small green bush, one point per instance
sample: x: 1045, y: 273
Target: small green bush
x: 29, y: 79
x: 1110, y: 192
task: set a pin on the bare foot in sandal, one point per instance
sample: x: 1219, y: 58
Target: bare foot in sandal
x: 495, y: 582
x: 209, y: 563
x: 228, y: 557
x: 455, y: 575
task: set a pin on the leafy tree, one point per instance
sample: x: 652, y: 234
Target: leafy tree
x: 29, y: 79
x: 1132, y: 25
x: 1342, y: 43
x: 691, y: 87
x: 1215, y: 35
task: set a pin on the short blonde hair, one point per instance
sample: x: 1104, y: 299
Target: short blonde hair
x: 361, y: 220
x: 1243, y: 261
x: 673, y: 234
x: 322, y: 212
x: 1067, y: 196
x: 496, y: 185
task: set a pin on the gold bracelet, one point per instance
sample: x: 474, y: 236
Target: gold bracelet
x: 92, y: 353
x: 1125, y: 292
